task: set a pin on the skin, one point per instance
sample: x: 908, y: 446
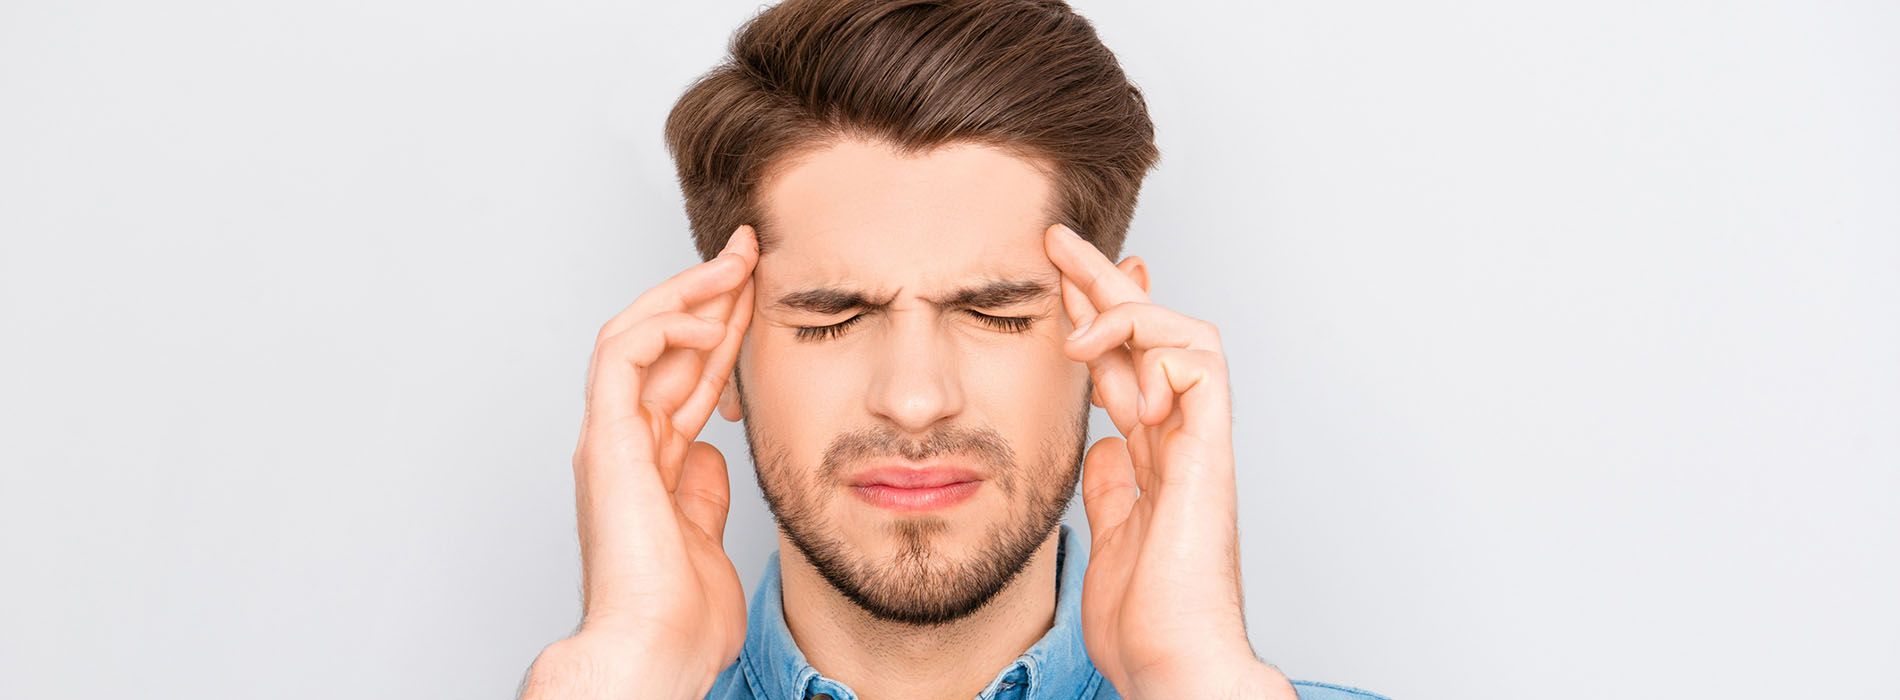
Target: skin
x: 908, y: 233
x: 1161, y: 600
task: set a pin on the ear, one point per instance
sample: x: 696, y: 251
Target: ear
x: 1136, y: 270
x: 729, y: 399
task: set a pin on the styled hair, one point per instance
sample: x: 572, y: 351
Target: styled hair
x: 1026, y: 76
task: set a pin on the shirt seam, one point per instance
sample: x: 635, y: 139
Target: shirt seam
x: 1342, y: 688
x: 1095, y: 683
x: 754, y: 684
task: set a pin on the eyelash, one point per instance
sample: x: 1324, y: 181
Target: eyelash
x: 1006, y: 324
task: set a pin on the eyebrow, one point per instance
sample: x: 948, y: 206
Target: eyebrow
x: 990, y: 295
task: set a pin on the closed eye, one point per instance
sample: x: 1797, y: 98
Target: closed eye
x: 1007, y: 324
x: 826, y: 332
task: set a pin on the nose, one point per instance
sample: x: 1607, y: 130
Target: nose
x: 915, y: 381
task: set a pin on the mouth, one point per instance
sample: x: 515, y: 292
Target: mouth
x: 905, y: 489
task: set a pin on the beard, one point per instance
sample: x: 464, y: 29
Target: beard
x: 920, y: 584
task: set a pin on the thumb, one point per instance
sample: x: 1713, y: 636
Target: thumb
x: 704, y: 494
x: 1108, y: 485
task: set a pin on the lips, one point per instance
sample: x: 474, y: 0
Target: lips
x: 911, y: 489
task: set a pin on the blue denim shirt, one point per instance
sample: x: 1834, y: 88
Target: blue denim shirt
x: 770, y: 666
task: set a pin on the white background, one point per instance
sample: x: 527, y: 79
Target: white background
x: 1565, y: 336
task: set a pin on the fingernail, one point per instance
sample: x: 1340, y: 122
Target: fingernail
x: 1079, y: 330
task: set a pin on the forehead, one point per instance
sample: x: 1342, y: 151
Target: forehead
x: 860, y: 212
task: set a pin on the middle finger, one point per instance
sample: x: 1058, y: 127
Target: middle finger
x: 1113, y: 371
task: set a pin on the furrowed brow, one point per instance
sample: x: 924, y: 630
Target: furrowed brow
x: 991, y: 295
x: 997, y: 294
x: 826, y: 301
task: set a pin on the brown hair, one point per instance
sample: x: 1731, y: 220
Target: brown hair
x: 1027, y: 76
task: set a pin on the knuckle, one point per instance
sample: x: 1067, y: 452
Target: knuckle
x: 1098, y: 278
x: 710, y: 380
x: 610, y: 345
x: 1102, y: 490
x: 1214, y: 362
x: 1159, y: 370
x: 622, y: 344
x: 706, y: 496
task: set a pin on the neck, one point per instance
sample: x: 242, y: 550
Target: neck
x: 880, y: 659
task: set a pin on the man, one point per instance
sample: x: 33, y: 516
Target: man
x: 908, y: 211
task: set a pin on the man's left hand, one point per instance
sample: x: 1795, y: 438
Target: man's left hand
x: 1161, y: 601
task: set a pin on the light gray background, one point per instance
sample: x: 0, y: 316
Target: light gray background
x: 1564, y: 336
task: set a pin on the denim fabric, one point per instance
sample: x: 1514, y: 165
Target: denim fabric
x: 1057, y: 667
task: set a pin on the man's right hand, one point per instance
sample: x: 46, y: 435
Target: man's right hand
x: 662, y: 609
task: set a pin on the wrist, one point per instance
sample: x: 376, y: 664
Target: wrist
x: 1238, y: 678
x: 594, y: 665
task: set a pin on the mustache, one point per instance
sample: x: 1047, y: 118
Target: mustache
x: 857, y: 446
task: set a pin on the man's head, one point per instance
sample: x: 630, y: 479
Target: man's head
x: 900, y: 162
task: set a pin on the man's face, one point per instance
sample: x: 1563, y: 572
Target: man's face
x: 909, y: 324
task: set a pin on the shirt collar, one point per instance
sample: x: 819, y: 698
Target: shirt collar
x: 1057, y: 666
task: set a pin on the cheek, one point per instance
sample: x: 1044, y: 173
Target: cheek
x: 798, y: 397
x: 1023, y: 370
x: 1026, y: 391
x: 806, y: 373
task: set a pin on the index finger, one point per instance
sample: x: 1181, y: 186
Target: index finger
x: 724, y: 274
x: 1097, y: 277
